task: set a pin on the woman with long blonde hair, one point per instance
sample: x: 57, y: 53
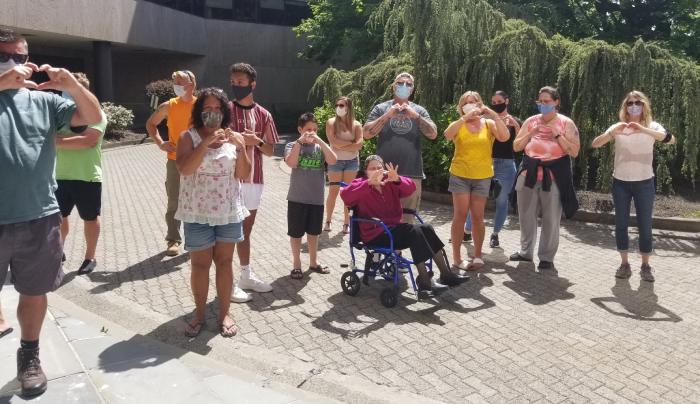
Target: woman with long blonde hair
x: 633, y: 176
x: 345, y: 137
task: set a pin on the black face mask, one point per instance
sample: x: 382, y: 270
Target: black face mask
x: 498, y: 108
x: 240, y: 92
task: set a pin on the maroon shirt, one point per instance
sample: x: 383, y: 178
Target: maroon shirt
x: 260, y: 121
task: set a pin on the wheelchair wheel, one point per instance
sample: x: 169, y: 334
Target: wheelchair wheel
x: 389, y: 297
x: 350, y: 283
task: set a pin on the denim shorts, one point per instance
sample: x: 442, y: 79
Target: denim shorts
x: 344, y: 165
x: 200, y: 236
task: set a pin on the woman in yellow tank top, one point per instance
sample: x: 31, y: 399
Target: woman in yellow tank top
x: 471, y: 171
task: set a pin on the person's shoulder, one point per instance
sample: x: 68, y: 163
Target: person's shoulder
x: 417, y: 107
x: 384, y: 105
x: 262, y: 110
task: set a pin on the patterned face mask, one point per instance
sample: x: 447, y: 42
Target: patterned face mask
x: 212, y: 119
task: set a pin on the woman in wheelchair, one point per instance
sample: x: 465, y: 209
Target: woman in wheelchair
x: 378, y: 196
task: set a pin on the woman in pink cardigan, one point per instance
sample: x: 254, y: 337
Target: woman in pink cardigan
x: 378, y: 195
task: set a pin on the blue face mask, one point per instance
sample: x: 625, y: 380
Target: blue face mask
x: 546, y: 108
x: 402, y: 91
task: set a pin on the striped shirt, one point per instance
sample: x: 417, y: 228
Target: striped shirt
x: 258, y: 119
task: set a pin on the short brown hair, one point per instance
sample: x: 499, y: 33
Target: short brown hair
x: 82, y: 79
x: 305, y: 118
x: 551, y: 91
x: 245, y: 68
x: 10, y: 36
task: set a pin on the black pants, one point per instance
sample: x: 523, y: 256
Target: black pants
x: 419, y: 238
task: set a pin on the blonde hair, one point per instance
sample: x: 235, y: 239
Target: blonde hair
x: 645, y: 119
x: 349, y: 119
x: 463, y: 100
x: 185, y: 75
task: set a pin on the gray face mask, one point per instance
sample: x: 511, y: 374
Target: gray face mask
x: 4, y: 67
x: 212, y: 119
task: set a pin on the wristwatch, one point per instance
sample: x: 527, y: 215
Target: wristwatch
x: 260, y: 143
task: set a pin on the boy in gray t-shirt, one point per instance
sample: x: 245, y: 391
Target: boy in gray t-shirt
x: 306, y: 191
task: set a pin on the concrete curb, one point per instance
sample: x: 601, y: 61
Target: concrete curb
x: 114, y: 145
x: 273, y: 366
x: 660, y: 223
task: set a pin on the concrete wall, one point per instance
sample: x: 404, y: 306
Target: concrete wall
x: 150, y: 41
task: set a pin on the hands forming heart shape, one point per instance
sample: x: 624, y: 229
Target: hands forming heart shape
x: 19, y: 77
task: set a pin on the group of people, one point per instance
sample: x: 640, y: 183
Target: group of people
x: 50, y: 161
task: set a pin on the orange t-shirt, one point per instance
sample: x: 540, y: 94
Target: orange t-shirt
x: 179, y: 120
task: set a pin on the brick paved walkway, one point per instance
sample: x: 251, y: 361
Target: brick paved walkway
x: 509, y: 335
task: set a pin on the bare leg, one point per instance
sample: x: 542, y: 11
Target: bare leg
x: 65, y: 228
x: 348, y: 177
x: 30, y: 314
x: 223, y: 261
x: 296, y: 251
x: 477, y: 205
x: 199, y: 279
x: 312, y: 242
x: 333, y: 191
x: 624, y: 257
x: 92, y: 234
x: 244, y: 246
x: 460, y: 205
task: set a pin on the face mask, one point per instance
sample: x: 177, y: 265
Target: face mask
x: 179, y: 90
x: 340, y: 111
x: 546, y: 108
x: 498, y: 108
x: 402, y: 91
x: 240, y: 92
x: 634, y: 110
x: 467, y: 108
x: 4, y: 67
x: 212, y: 119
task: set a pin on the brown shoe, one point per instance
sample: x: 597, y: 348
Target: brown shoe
x: 173, y: 249
x: 29, y: 372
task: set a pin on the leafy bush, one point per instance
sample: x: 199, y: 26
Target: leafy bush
x: 161, y: 89
x: 119, y: 119
x: 437, y: 154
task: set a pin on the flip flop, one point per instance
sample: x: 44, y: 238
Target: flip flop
x: 476, y: 264
x: 193, y: 329
x: 228, y: 331
x: 6, y: 331
x: 296, y: 274
x: 320, y: 269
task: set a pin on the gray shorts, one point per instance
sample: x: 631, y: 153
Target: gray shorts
x: 469, y: 186
x: 32, y: 251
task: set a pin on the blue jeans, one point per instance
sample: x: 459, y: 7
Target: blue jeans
x: 643, y: 193
x: 504, y: 172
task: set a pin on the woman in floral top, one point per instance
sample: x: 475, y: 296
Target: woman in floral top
x: 210, y: 204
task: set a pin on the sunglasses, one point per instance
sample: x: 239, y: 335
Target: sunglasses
x: 630, y: 103
x: 405, y: 83
x: 17, y: 57
x: 340, y: 105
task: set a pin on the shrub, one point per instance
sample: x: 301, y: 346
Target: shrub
x: 161, y: 89
x: 119, y: 119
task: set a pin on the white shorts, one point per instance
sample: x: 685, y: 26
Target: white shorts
x: 252, y: 195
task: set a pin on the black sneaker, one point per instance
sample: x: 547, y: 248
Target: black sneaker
x: 63, y: 258
x: 29, y: 372
x: 467, y: 237
x: 453, y: 279
x: 545, y: 265
x: 87, y: 267
x: 624, y: 271
x: 494, y: 241
x: 517, y: 257
x: 646, y: 273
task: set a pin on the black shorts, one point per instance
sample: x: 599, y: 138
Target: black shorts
x: 304, y: 218
x: 86, y: 196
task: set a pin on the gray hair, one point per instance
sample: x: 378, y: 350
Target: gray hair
x: 406, y: 75
x: 373, y: 157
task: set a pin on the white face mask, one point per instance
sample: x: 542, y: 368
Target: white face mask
x: 179, y: 90
x: 341, y: 111
x: 635, y: 110
x: 467, y: 108
x: 4, y: 67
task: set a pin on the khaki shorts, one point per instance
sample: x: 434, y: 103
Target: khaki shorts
x: 469, y: 186
x: 32, y: 252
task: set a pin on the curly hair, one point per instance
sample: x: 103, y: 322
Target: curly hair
x: 198, y: 106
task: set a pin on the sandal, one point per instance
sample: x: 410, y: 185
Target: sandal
x: 328, y: 226
x: 320, y: 269
x: 476, y: 264
x: 296, y: 273
x: 193, y: 329
x: 346, y: 228
x: 6, y: 331
x: 228, y: 331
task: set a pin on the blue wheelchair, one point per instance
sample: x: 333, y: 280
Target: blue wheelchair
x: 379, y: 261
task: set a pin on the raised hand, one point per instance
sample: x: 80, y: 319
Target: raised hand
x: 168, y: 147
x: 376, y: 179
x: 218, y: 137
x: 59, y: 79
x: 235, y: 138
x: 18, y: 77
x: 392, y: 172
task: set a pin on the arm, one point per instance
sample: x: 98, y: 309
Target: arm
x: 355, y: 191
x: 523, y: 136
x: 658, y: 135
x: 87, y: 140
x: 569, y: 140
x: 328, y: 153
x: 243, y: 165
x: 425, y: 124
x: 189, y: 157
x: 608, y: 135
x: 152, y: 127
x: 356, y: 145
x: 406, y: 187
x: 452, y: 130
x: 291, y: 157
x: 376, y: 122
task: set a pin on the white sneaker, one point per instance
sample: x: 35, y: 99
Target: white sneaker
x: 239, y: 295
x: 250, y: 281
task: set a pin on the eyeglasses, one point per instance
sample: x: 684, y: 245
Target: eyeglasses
x: 340, y: 105
x: 404, y: 83
x: 638, y: 102
x: 543, y: 102
x: 17, y: 57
